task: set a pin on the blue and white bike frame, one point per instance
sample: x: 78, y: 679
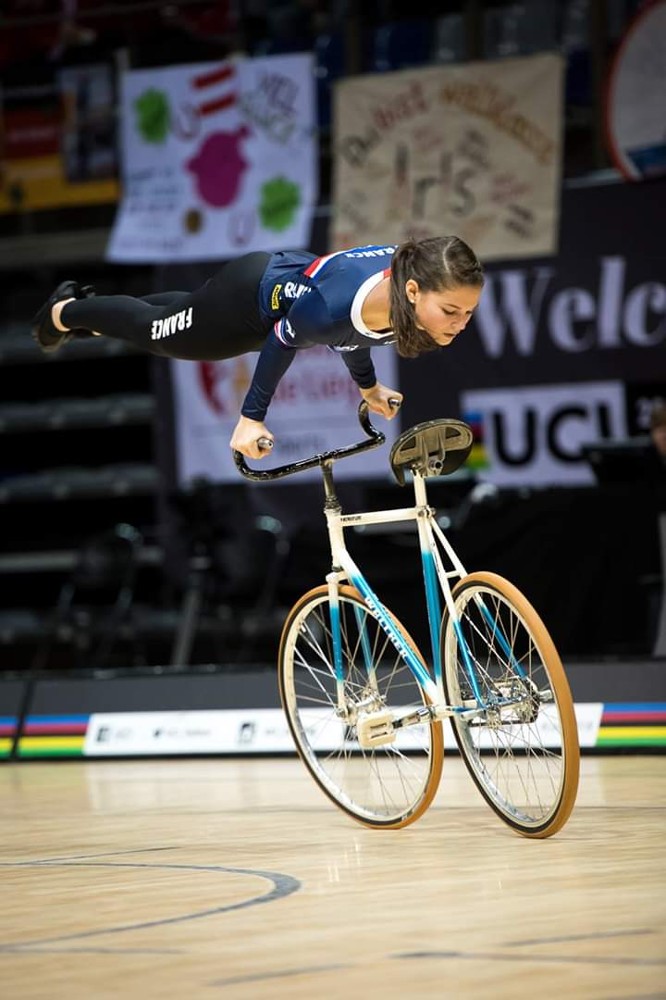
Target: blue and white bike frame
x: 437, y: 584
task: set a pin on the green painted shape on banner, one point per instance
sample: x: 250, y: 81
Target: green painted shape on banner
x: 279, y: 200
x: 153, y: 115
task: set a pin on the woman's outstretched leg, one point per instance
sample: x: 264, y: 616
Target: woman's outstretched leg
x: 219, y: 320
x: 144, y: 324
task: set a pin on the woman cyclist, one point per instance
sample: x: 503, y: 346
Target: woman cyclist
x: 418, y: 295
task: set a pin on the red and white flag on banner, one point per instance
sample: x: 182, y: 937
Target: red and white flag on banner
x: 217, y: 88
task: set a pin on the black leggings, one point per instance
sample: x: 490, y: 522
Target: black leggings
x: 219, y: 320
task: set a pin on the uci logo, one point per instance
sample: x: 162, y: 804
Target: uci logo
x: 534, y: 435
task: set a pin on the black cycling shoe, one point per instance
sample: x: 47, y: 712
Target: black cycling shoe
x: 47, y: 335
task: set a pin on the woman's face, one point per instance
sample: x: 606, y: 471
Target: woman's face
x: 443, y: 315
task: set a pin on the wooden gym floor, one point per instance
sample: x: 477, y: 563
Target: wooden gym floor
x: 237, y: 878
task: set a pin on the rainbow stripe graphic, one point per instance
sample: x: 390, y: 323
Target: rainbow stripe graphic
x: 8, y: 726
x: 624, y: 725
x: 53, y: 736
x: 641, y: 724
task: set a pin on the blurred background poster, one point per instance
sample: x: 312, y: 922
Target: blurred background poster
x: 313, y: 410
x: 636, y: 97
x: 218, y: 159
x: 58, y: 141
x: 472, y: 149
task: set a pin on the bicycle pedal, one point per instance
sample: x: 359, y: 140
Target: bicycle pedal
x: 375, y: 730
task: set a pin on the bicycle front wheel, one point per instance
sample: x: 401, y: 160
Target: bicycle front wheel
x: 519, y: 740
x: 383, y: 786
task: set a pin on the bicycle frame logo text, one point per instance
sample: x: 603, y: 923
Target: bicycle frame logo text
x: 389, y: 628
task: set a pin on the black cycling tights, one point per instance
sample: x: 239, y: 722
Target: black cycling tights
x: 219, y: 320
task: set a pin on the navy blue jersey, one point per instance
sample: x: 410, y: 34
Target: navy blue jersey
x: 317, y: 300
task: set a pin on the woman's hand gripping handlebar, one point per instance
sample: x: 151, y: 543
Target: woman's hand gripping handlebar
x: 374, y: 438
x: 251, y: 437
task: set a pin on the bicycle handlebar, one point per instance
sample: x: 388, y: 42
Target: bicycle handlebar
x: 374, y: 439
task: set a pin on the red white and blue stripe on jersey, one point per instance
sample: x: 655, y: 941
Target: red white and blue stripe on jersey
x: 284, y: 332
x: 363, y: 253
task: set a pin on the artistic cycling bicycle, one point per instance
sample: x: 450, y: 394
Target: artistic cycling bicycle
x: 365, y: 710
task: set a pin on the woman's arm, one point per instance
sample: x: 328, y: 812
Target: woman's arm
x: 360, y: 366
x: 274, y: 360
x: 380, y: 398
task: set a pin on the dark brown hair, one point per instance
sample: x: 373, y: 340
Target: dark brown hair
x: 437, y: 264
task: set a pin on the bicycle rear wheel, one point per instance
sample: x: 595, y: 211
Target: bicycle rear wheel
x: 522, y: 750
x: 385, y: 786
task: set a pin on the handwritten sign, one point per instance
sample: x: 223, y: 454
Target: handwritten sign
x: 472, y: 150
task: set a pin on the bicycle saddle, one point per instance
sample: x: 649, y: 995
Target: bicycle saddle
x: 434, y: 448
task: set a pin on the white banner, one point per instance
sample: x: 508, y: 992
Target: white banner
x: 265, y: 730
x: 534, y: 435
x: 114, y: 734
x: 218, y: 159
x: 473, y: 149
x: 313, y: 410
